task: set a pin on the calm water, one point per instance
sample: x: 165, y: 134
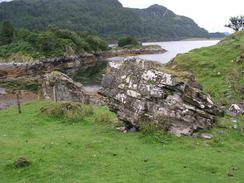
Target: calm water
x: 173, y: 48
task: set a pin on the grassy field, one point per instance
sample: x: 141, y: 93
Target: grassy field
x: 89, y: 150
x: 218, y: 68
x: 81, y: 145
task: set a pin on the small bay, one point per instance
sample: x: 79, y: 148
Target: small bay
x: 173, y: 48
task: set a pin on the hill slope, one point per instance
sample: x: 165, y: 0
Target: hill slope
x: 107, y: 18
x: 218, y: 68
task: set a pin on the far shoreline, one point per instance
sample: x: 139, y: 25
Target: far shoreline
x: 188, y: 39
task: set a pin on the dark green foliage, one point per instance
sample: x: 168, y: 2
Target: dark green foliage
x: 53, y: 42
x: 106, y: 18
x: 128, y: 41
x: 96, y: 43
x: 7, y: 33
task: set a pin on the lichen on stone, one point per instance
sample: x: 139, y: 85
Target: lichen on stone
x: 141, y: 91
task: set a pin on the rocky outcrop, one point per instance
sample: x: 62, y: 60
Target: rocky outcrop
x: 18, y: 71
x: 34, y: 70
x: 141, y: 91
x: 139, y: 51
x: 58, y: 86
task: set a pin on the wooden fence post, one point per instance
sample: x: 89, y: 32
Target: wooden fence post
x: 18, y: 101
x: 54, y: 93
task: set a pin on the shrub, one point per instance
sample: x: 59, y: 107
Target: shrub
x: 128, y: 42
x: 96, y: 43
x: 68, y: 111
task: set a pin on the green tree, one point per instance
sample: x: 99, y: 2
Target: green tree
x: 129, y: 40
x: 236, y: 23
x: 7, y: 34
x: 96, y: 17
x: 53, y: 42
x: 96, y: 43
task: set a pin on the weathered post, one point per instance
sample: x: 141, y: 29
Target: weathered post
x: 18, y: 101
x: 54, y: 93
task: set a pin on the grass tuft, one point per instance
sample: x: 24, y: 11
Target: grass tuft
x: 151, y: 134
x: 69, y: 112
x: 105, y: 117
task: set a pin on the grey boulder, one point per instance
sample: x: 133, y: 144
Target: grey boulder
x: 141, y: 91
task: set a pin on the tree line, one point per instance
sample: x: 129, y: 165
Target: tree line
x: 22, y: 44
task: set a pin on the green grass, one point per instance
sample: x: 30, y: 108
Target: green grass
x: 67, y: 112
x: 89, y: 151
x: 217, y: 68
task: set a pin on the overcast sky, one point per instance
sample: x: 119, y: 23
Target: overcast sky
x: 209, y: 14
